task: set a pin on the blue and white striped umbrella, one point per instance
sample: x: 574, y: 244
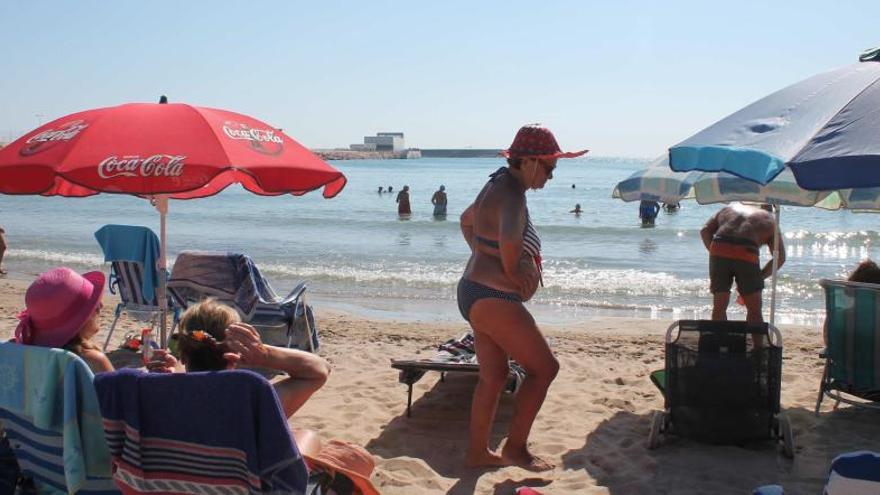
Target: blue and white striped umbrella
x: 824, y: 129
x: 659, y: 183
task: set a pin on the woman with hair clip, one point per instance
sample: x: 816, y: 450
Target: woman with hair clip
x: 213, y: 338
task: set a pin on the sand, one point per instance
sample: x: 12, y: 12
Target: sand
x: 593, y: 426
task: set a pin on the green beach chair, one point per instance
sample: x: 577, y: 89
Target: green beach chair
x: 852, y: 352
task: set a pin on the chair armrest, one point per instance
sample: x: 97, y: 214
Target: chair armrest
x: 295, y: 294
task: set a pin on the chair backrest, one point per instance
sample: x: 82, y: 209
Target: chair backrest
x: 854, y: 473
x: 852, y: 320
x: 49, y: 411
x: 134, y: 251
x: 231, y: 278
x: 213, y: 432
x: 128, y: 277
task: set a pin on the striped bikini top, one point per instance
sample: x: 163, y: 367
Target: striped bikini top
x: 531, y: 241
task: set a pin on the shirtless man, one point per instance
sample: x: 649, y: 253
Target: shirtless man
x: 439, y: 201
x: 733, y: 237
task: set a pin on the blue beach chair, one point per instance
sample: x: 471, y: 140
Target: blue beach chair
x: 852, y: 353
x: 50, y: 413
x: 133, y: 252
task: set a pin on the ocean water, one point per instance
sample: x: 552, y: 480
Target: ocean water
x: 359, y: 255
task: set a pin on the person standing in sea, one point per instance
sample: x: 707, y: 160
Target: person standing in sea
x: 439, y: 202
x: 504, y: 270
x: 403, y: 202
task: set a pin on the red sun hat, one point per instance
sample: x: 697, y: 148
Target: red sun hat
x: 536, y: 141
x: 58, y: 303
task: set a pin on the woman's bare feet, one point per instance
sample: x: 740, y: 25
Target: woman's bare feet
x: 485, y: 458
x: 525, y: 459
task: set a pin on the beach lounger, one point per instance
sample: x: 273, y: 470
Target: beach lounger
x: 234, y: 279
x: 852, y: 353
x: 453, y: 356
x: 200, y: 433
x: 719, y: 386
x: 133, y: 252
x: 50, y: 413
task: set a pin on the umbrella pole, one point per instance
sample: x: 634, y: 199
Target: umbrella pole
x: 775, y: 267
x: 161, y: 204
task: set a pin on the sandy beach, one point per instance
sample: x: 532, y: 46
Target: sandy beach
x: 593, y: 425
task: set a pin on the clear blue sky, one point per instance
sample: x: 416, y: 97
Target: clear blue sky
x: 621, y: 78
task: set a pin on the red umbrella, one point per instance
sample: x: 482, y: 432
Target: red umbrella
x: 161, y: 151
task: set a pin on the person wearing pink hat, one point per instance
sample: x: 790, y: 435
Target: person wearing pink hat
x: 63, y: 309
x: 504, y: 270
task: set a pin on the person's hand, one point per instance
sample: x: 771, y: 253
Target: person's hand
x: 245, y: 346
x: 163, y: 362
x: 529, y: 277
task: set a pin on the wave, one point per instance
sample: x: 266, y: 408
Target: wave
x: 66, y: 258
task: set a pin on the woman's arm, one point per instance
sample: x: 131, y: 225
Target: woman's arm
x: 522, y: 273
x: 306, y: 372
x: 466, y: 223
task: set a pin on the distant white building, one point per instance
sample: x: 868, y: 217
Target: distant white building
x: 382, y: 141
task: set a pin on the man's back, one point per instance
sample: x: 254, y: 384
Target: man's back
x: 746, y: 222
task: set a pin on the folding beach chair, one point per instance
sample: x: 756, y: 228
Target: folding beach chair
x: 453, y: 356
x: 721, y: 384
x: 132, y: 252
x: 50, y: 414
x: 234, y: 279
x: 200, y: 433
x: 852, y: 353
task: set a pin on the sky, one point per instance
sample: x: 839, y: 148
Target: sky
x: 622, y: 78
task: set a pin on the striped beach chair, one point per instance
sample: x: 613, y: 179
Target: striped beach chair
x: 49, y: 411
x: 198, y: 433
x: 234, y: 279
x: 132, y: 252
x: 852, y: 353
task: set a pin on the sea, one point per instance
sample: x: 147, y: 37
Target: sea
x: 359, y: 256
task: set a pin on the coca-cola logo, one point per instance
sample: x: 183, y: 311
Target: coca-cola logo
x: 135, y: 166
x: 51, y: 137
x: 266, y: 141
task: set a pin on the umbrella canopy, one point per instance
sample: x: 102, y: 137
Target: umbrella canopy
x: 161, y: 151
x: 824, y: 129
x: 659, y: 183
x: 148, y: 149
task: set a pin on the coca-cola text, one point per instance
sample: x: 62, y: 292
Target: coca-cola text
x: 134, y: 166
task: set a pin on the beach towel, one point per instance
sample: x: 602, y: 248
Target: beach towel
x: 209, y: 432
x: 462, y: 351
x: 132, y: 243
x: 231, y: 277
x: 854, y: 473
x: 50, y: 413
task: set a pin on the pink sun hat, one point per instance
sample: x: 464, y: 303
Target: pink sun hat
x: 58, y: 303
x: 536, y: 141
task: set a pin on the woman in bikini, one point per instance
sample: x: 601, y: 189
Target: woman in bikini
x: 504, y: 270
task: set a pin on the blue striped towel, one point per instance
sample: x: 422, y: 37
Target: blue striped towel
x: 50, y: 412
